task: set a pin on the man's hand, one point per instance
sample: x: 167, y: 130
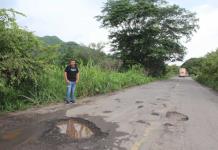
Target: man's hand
x: 77, y: 81
x: 67, y: 81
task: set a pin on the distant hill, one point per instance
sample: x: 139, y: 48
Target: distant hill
x: 82, y: 53
x: 51, y: 40
x: 72, y: 49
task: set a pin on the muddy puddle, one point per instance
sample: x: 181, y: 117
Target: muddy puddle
x: 72, y: 129
x: 75, y: 129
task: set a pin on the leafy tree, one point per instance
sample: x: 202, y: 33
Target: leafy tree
x: 204, y: 69
x: 97, y: 46
x: 59, y: 53
x: 148, y: 32
x: 208, y: 73
x: 18, y: 68
x: 81, y: 53
x: 172, y: 70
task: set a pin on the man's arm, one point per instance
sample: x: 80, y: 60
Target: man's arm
x: 65, y: 77
x: 77, y: 77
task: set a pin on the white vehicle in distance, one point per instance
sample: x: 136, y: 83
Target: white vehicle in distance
x: 183, y: 72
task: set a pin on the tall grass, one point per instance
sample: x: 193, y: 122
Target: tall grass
x: 93, y: 80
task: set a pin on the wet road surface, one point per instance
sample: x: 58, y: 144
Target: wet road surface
x: 175, y: 114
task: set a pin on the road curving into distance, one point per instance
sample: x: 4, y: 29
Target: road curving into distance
x: 175, y: 114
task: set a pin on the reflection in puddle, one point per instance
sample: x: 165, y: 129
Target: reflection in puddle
x: 74, y: 129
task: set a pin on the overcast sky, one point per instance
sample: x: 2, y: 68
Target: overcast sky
x: 73, y: 20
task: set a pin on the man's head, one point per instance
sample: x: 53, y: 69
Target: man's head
x: 72, y: 63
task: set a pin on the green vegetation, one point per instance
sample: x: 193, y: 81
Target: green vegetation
x: 51, y: 40
x: 171, y: 71
x: 31, y: 68
x: 148, y: 32
x: 94, y: 80
x: 85, y: 54
x: 193, y: 66
x: 205, y: 69
x: 19, y: 69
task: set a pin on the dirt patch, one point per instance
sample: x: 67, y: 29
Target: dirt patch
x: 173, y: 115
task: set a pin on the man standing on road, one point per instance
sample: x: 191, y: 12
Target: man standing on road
x: 71, y: 76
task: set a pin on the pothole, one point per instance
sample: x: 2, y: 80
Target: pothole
x: 117, y: 99
x: 107, y: 111
x: 168, y: 124
x: 165, y: 105
x: 162, y: 99
x: 176, y: 116
x: 155, y: 114
x: 73, y: 129
x: 143, y: 122
x: 139, y: 102
x: 141, y: 106
x: 153, y: 103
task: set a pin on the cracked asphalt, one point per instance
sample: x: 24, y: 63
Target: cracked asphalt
x: 174, y: 114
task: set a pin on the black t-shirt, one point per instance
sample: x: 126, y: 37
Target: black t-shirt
x: 71, y: 73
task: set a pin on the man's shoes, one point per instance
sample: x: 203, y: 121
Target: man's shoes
x: 66, y: 102
x: 70, y: 102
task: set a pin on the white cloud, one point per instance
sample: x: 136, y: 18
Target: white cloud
x: 71, y: 20
x: 206, y: 38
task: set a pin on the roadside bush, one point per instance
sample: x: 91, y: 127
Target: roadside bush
x: 171, y: 70
x: 31, y: 72
x: 19, y: 70
x: 204, y: 69
x: 209, y: 70
x: 93, y: 80
x: 193, y: 66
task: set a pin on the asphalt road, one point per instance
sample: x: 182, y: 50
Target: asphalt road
x: 175, y: 114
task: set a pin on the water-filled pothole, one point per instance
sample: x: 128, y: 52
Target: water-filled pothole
x: 72, y: 129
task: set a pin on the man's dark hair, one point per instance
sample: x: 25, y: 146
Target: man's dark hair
x: 72, y: 60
